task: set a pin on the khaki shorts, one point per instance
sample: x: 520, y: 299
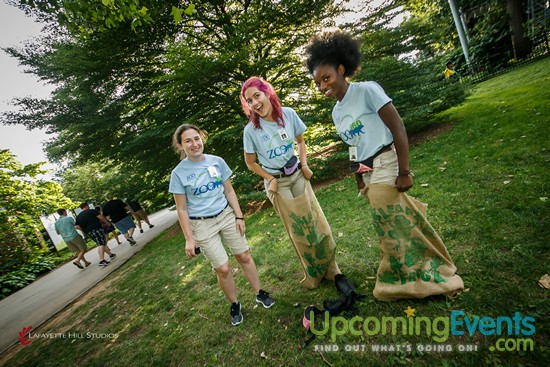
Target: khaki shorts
x: 291, y: 186
x: 77, y: 244
x: 210, y: 233
x: 385, y: 169
x: 140, y: 215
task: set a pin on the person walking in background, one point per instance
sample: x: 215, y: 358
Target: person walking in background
x: 269, y: 137
x: 139, y: 214
x: 65, y: 226
x: 89, y: 221
x: 415, y: 262
x: 108, y: 228
x: 117, y: 211
x: 210, y: 216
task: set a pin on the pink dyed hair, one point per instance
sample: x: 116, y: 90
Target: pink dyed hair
x: 267, y: 88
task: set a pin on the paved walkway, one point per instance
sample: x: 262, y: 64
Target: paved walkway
x: 40, y: 300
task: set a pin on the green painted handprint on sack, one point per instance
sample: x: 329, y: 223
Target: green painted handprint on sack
x: 317, y: 244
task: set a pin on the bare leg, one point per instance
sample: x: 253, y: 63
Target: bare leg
x: 249, y: 269
x: 101, y: 252
x: 80, y: 255
x: 86, y: 262
x: 146, y: 219
x: 226, y: 282
x: 107, y: 250
x: 115, y: 235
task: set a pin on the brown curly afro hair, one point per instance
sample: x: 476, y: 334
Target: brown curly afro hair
x: 333, y: 48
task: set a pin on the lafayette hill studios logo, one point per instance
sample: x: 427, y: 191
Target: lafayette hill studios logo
x: 23, y: 335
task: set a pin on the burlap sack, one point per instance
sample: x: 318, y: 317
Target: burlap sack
x: 310, y: 235
x: 415, y: 262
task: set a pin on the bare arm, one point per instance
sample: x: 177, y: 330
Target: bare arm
x: 185, y: 224
x: 231, y: 197
x: 391, y: 118
x: 250, y: 160
x: 302, y: 154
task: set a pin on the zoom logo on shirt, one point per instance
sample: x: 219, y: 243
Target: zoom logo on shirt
x: 355, y: 129
x: 279, y: 151
x: 212, y: 185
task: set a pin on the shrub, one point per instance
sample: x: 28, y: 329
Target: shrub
x: 17, y: 279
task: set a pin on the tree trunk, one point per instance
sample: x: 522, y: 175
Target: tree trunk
x: 516, y: 17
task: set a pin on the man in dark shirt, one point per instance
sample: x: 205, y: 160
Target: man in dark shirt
x: 117, y: 211
x: 89, y: 222
x: 139, y: 214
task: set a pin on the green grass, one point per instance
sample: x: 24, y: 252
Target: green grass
x: 486, y: 178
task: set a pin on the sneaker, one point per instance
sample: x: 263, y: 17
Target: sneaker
x: 151, y: 226
x: 264, y: 298
x: 103, y: 263
x: 132, y: 241
x: 140, y: 230
x: 112, y: 255
x: 236, y: 314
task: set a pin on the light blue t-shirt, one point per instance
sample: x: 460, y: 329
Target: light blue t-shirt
x: 201, y: 182
x: 357, y: 121
x: 65, y: 226
x: 273, y: 152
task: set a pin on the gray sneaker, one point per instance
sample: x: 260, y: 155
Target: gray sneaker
x: 236, y: 314
x: 264, y: 298
x: 103, y: 263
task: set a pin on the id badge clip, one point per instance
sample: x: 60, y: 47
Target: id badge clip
x: 213, y: 171
x: 353, y: 153
x: 282, y: 134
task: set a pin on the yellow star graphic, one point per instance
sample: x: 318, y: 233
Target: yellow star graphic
x: 410, y: 311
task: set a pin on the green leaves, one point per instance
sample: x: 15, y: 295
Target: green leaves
x: 190, y: 10
x: 176, y: 13
x: 84, y: 18
x: 23, y: 199
x: 122, y: 89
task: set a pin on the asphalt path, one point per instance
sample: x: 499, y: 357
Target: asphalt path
x: 40, y: 300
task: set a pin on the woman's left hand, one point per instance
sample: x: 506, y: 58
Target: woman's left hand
x: 241, y: 227
x: 306, y: 172
x: 404, y: 183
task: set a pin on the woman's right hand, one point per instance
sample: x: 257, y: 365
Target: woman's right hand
x: 190, y: 248
x: 273, y: 186
x: 307, y: 172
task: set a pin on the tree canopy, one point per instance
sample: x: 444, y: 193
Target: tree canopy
x: 128, y: 72
x: 121, y: 92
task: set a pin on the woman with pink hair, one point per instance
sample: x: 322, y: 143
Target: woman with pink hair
x: 270, y: 137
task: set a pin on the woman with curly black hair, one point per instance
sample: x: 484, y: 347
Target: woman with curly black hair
x: 415, y: 262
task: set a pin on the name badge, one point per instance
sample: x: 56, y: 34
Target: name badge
x: 213, y: 171
x: 283, y: 134
x: 353, y: 153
